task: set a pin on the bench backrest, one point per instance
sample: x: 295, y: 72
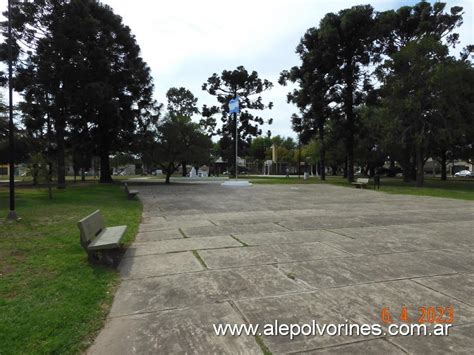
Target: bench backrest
x: 126, y: 187
x: 363, y: 180
x: 90, y: 226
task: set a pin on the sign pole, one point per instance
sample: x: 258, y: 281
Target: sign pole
x: 236, y: 144
x: 234, y: 109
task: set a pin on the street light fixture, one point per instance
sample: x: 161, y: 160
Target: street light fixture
x: 12, y: 213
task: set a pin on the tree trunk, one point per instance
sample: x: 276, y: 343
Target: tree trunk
x: 322, y: 154
x: 420, y: 163
x: 350, y: 158
x: 60, y: 154
x: 105, y: 174
x: 413, y: 169
x: 392, y: 163
x: 405, y: 162
x: 443, y: 166
x: 170, y: 169
x: 345, y: 169
x: 75, y: 166
x: 35, y: 174
x: 371, y: 170
x: 185, y: 172
x: 349, y: 111
x: 49, y: 178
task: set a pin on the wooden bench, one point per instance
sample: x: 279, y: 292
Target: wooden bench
x: 361, y: 182
x: 100, y: 243
x: 130, y: 193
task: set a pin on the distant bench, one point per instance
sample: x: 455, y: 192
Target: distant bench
x: 100, y: 243
x: 130, y: 193
x: 361, y: 182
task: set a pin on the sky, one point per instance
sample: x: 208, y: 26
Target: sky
x: 184, y: 41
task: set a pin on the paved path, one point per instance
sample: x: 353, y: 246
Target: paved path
x: 207, y: 254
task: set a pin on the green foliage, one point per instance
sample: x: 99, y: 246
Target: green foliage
x: 230, y: 84
x: 82, y: 79
x: 181, y: 102
x: 261, y: 148
x: 180, y: 139
x: 410, y: 115
x: 310, y: 152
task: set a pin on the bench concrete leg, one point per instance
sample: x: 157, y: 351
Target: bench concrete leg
x: 110, y: 257
x: 93, y: 257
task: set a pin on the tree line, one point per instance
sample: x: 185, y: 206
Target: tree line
x: 385, y: 86
x: 371, y: 87
x: 87, y: 92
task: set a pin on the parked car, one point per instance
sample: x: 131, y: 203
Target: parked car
x: 464, y: 173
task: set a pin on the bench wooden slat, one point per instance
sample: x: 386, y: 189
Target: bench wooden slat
x: 109, y: 238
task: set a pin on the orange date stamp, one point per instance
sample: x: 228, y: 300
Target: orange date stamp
x: 425, y: 314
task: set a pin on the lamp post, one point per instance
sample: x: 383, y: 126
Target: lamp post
x: 12, y: 213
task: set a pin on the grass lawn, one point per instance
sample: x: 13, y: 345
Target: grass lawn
x: 51, y: 299
x: 462, y: 189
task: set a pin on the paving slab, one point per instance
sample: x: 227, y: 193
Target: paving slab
x: 153, y: 219
x: 290, y: 237
x: 205, y: 287
x: 428, y: 236
x: 157, y: 226
x: 187, y: 331
x: 277, y: 253
x: 450, y: 215
x: 459, y: 341
x: 326, y: 273
x: 314, y: 252
x: 155, y: 265
x: 158, y: 235
x: 247, y: 220
x: 396, y: 219
x: 308, y: 223
x: 364, y: 303
x: 372, y: 346
x: 387, y: 242
x: 459, y: 286
x: 454, y: 235
x: 294, y: 309
x: 232, y: 229
x: 391, y: 232
x: 183, y: 244
x: 459, y: 260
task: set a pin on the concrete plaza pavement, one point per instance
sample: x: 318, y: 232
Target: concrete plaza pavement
x: 206, y: 254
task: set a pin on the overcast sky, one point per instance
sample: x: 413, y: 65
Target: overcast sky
x: 185, y: 42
